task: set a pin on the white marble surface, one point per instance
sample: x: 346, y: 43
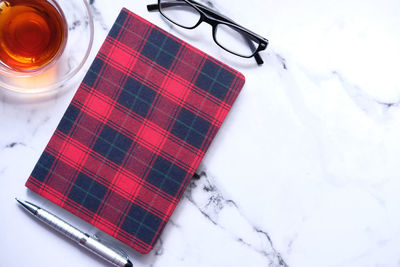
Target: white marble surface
x: 304, y: 172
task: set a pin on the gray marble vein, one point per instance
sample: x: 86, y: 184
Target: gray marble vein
x: 209, y: 200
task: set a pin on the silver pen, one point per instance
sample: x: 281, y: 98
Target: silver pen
x: 78, y: 236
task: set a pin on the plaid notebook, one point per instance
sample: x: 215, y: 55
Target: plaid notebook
x: 135, y: 131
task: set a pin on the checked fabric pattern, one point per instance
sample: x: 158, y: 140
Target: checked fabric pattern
x: 135, y: 131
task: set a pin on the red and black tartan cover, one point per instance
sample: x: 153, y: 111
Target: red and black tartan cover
x: 135, y: 131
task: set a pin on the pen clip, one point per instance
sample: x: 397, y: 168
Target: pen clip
x: 110, y: 244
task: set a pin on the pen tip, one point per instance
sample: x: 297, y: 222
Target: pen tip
x: 28, y: 206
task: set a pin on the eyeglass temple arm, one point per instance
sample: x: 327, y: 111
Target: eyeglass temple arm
x: 256, y: 55
x: 154, y: 7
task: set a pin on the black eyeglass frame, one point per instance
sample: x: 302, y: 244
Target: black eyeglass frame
x: 214, y: 18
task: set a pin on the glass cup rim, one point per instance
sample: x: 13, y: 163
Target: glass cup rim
x: 9, y: 72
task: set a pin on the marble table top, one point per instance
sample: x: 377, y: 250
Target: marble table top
x: 304, y: 171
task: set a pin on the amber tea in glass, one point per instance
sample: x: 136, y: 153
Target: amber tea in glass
x: 32, y: 34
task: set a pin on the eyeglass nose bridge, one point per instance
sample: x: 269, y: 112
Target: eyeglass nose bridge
x: 207, y: 19
x: 213, y: 22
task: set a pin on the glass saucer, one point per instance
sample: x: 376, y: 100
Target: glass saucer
x: 77, y: 49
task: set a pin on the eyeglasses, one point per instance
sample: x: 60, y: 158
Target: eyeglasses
x: 226, y: 33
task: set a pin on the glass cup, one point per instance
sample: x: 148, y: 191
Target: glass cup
x: 66, y: 63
